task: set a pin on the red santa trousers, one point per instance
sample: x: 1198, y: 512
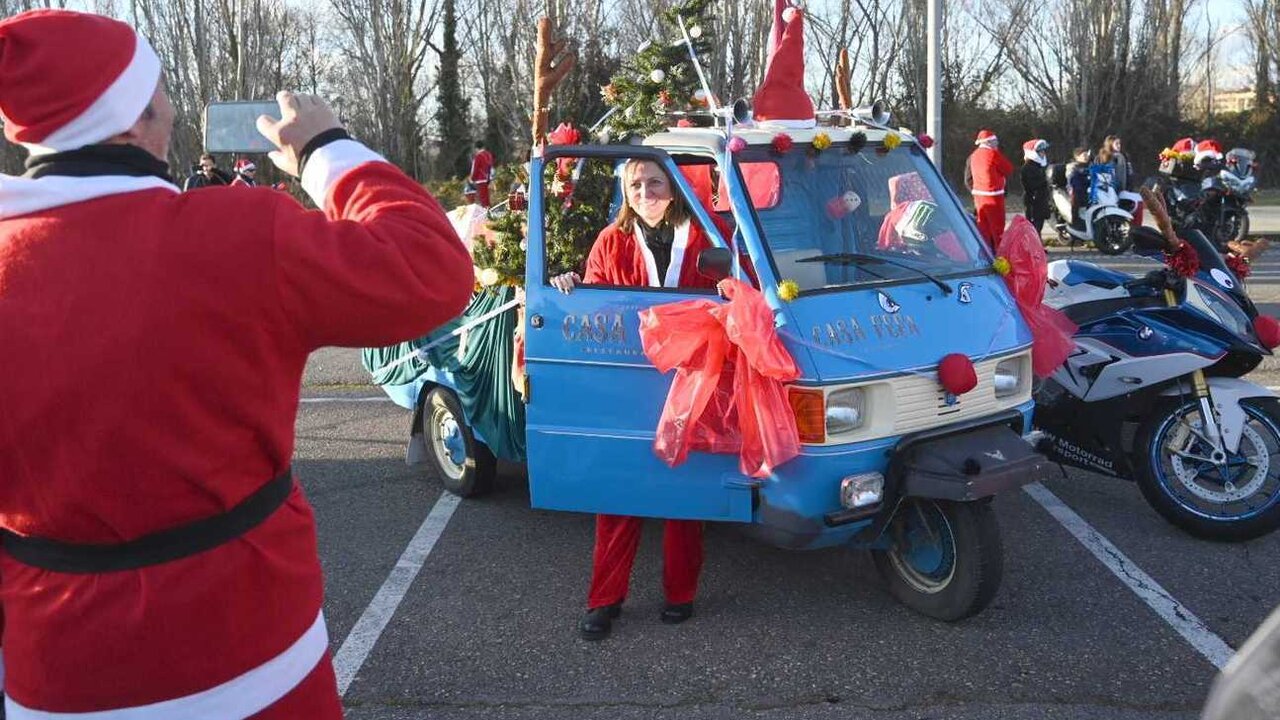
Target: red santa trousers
x: 482, y: 193
x: 990, y: 211
x: 618, y: 538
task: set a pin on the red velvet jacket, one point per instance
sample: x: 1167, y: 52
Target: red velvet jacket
x: 619, y: 258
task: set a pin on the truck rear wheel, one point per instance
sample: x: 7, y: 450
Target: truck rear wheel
x: 945, y: 560
x: 465, y: 466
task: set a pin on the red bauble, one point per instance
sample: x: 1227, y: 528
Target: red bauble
x: 782, y: 142
x: 925, y: 140
x: 1185, y: 262
x: 956, y: 374
x: 1268, y: 331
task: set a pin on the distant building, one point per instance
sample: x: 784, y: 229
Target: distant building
x: 1233, y: 101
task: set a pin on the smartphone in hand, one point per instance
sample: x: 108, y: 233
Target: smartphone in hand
x: 232, y: 127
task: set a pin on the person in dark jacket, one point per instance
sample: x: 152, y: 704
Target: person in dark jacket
x: 1035, y: 182
x: 1078, y: 181
x: 208, y: 174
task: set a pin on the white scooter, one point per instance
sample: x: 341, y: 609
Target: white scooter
x: 1103, y: 223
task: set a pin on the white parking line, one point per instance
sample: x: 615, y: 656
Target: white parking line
x: 365, y: 633
x: 1190, y: 627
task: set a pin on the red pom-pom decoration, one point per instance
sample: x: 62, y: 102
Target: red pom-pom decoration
x: 1185, y: 262
x: 1239, y: 265
x: 737, y: 144
x: 926, y: 141
x: 956, y: 374
x: 1268, y: 331
x: 782, y: 142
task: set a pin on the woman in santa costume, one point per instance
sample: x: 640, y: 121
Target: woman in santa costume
x: 159, y: 559
x: 986, y: 173
x: 652, y: 243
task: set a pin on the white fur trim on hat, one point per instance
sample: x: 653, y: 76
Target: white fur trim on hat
x: 115, y: 111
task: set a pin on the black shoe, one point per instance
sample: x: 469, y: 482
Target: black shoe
x: 597, y: 623
x: 676, y: 614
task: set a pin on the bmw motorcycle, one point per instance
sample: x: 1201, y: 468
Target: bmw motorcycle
x: 1215, y: 203
x: 1153, y: 392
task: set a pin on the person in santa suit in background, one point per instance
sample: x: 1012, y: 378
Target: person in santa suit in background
x: 481, y: 172
x: 654, y: 242
x: 985, y: 174
x: 159, y: 559
x: 246, y: 173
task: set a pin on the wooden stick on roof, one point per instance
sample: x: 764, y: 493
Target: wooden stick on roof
x: 844, y: 91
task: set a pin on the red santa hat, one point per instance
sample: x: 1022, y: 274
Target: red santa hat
x: 781, y: 99
x: 70, y: 79
x: 1208, y: 148
x: 1185, y: 145
x: 245, y: 164
x: 1033, y: 150
x: 984, y: 136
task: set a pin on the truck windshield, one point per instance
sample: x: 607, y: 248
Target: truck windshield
x: 837, y: 219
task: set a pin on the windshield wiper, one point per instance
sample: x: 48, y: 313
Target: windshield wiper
x: 846, y: 257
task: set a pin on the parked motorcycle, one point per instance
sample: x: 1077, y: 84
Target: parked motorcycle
x: 1212, y: 198
x: 1154, y: 393
x: 1103, y: 222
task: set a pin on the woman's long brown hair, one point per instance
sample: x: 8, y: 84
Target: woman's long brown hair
x: 677, y: 210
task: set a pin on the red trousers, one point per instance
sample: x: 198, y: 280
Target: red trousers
x: 618, y: 538
x: 990, y: 211
x: 482, y: 192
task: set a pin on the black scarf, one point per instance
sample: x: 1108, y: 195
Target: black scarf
x: 659, y: 239
x: 94, y: 160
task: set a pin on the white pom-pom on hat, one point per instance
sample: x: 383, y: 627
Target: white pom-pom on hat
x: 790, y: 13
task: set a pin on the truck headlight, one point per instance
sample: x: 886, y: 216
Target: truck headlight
x: 845, y: 410
x: 1008, y: 376
x: 861, y: 490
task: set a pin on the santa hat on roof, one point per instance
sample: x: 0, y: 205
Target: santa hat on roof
x: 985, y: 137
x: 781, y: 99
x: 70, y: 79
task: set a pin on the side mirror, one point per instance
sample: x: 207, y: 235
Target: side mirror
x: 715, y: 263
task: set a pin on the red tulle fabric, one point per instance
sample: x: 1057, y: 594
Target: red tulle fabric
x: 1051, y: 331
x: 728, y: 394
x: 1184, y: 261
x: 1239, y: 266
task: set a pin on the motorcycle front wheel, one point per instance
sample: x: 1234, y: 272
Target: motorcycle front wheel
x: 1236, y: 499
x: 1111, y: 235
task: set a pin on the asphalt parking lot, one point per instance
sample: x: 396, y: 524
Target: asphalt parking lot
x: 440, y: 608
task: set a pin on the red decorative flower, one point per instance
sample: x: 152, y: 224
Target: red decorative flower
x: 1239, y: 265
x: 564, y: 134
x: 782, y: 142
x: 956, y: 374
x: 925, y: 140
x: 1185, y: 262
x: 1268, y: 330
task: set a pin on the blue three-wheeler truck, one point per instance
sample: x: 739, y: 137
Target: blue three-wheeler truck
x: 891, y: 275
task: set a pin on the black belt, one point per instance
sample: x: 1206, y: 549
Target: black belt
x: 158, y: 547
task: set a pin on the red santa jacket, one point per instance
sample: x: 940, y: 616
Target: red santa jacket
x: 620, y: 258
x: 481, y: 167
x: 988, y: 170
x: 155, y: 344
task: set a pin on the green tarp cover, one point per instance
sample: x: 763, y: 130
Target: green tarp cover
x: 482, y: 373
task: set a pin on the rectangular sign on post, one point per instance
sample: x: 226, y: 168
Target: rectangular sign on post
x: 231, y: 127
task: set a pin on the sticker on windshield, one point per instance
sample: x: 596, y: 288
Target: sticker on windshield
x: 1222, y: 279
x: 965, y: 291
x: 886, y: 303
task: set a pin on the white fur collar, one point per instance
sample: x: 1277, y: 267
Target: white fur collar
x: 678, y: 245
x: 23, y: 196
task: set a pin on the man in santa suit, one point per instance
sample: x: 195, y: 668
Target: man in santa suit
x: 481, y: 172
x: 652, y: 243
x: 159, y: 559
x: 985, y: 174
